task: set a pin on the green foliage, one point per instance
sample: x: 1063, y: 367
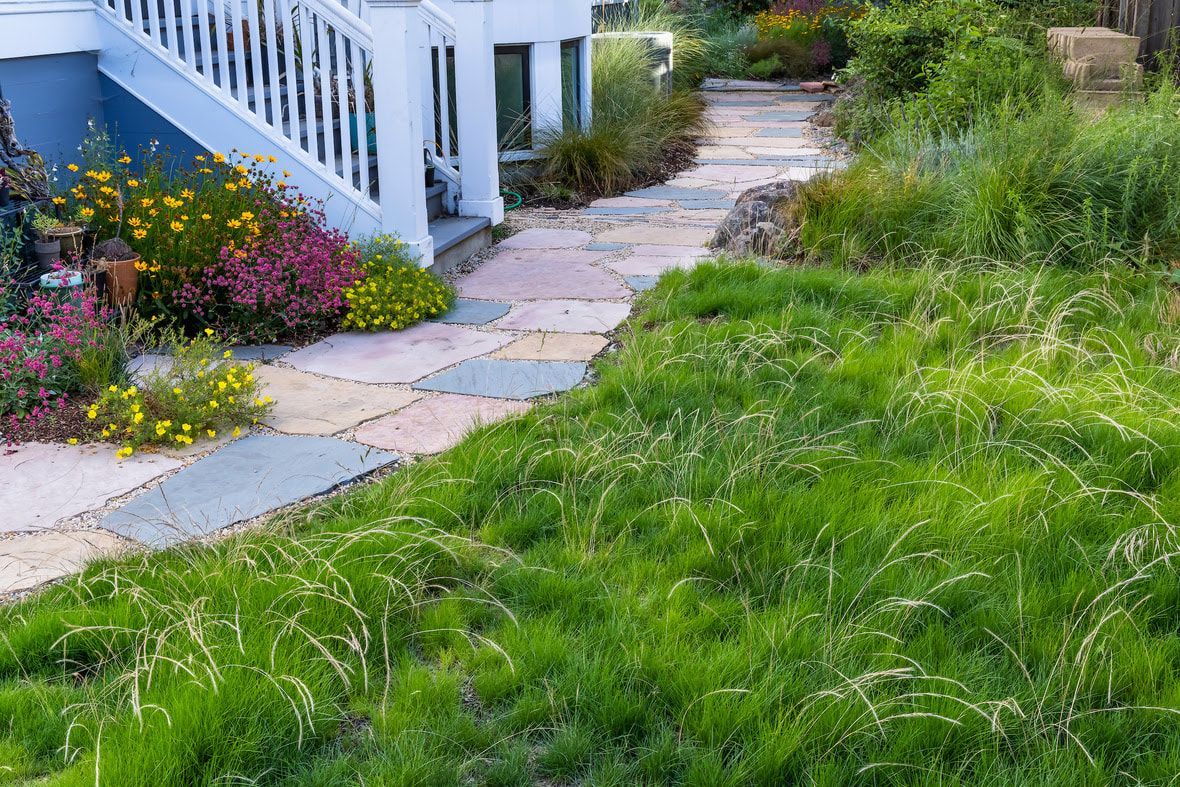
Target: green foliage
x: 200, y: 392
x: 1049, y: 185
x: 811, y: 527
x: 395, y: 291
x: 634, y: 126
x: 789, y: 58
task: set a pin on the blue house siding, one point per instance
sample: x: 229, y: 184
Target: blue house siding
x: 52, y: 98
x: 134, y: 125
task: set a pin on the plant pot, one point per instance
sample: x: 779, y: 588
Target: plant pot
x: 70, y: 239
x: 122, y: 279
x: 370, y: 131
x: 69, y: 283
x: 48, y: 252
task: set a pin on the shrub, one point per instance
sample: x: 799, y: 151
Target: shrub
x: 788, y: 56
x: 40, y: 349
x: 1016, y: 185
x: 195, y: 396
x: 819, y: 27
x: 395, y: 292
x: 634, y: 128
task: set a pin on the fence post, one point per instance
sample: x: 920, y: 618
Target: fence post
x: 399, y: 55
x: 475, y: 94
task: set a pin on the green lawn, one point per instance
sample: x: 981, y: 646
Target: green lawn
x: 811, y: 527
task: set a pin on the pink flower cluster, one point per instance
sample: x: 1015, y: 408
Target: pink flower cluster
x: 288, y: 281
x: 40, y: 347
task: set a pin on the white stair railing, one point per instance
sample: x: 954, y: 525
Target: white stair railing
x: 296, y: 69
x: 305, y: 74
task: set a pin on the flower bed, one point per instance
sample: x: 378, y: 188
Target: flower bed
x: 801, y: 37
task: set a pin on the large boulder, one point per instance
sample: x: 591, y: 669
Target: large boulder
x: 761, y: 223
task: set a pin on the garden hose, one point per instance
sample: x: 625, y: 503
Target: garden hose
x: 514, y: 205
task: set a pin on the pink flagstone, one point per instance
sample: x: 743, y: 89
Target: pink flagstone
x: 566, y: 316
x: 669, y: 251
x: 539, y: 238
x: 44, y: 483
x: 653, y: 234
x: 533, y: 275
x: 433, y: 425
x: 395, y: 356
x: 651, y: 266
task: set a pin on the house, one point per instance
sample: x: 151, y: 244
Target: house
x: 396, y: 112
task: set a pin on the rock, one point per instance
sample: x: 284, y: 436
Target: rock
x: 812, y: 87
x: 761, y: 223
x: 825, y: 118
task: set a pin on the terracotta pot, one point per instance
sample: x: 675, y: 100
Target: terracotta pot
x: 70, y: 238
x: 122, y: 279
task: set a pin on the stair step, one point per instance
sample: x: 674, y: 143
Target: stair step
x: 457, y: 238
x: 434, y: 200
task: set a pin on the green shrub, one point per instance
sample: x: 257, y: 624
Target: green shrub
x: 634, y: 128
x: 1016, y: 185
x: 199, y: 392
x: 395, y: 292
x: 793, y: 57
x: 766, y: 69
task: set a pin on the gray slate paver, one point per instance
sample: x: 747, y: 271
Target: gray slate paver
x: 260, y: 352
x: 795, y: 116
x: 644, y: 211
x: 772, y: 161
x: 676, y: 193
x: 642, y: 283
x: 779, y: 133
x: 246, y: 479
x: 605, y: 246
x: 499, y: 379
x: 471, y: 312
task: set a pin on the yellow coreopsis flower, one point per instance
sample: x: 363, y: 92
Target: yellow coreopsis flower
x: 125, y: 159
x: 72, y: 167
x: 218, y: 158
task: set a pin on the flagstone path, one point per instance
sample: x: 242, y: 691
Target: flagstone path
x: 529, y: 320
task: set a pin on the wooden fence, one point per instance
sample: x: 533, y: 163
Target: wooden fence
x: 1152, y: 20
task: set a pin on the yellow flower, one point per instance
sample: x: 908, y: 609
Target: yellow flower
x: 233, y: 224
x: 177, y: 226
x: 72, y: 167
x: 187, y: 193
x: 208, y: 331
x: 206, y: 216
x: 186, y: 427
x: 147, y: 202
x: 259, y: 158
x: 132, y: 182
x: 237, y: 432
x: 271, y: 159
x: 59, y: 200
x: 212, y: 433
x: 213, y: 404
x: 139, y: 235
x: 218, y: 158
x: 228, y: 354
x: 231, y: 186
x: 86, y: 213
x: 72, y: 441
x: 125, y: 159
x: 124, y: 452
x: 199, y: 158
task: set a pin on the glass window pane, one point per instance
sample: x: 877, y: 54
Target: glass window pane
x: 571, y: 83
x: 513, y: 115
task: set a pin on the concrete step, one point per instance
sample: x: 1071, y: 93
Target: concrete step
x: 457, y: 239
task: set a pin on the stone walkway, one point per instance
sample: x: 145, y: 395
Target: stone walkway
x: 529, y: 321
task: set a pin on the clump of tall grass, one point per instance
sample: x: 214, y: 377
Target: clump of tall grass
x: 1055, y: 185
x: 635, y: 126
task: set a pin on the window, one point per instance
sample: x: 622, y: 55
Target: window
x: 571, y: 83
x: 514, y: 98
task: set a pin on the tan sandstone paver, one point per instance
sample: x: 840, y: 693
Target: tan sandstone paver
x: 637, y: 265
x: 543, y: 346
x: 655, y: 234
x: 307, y: 404
x: 29, y: 561
x: 45, y: 483
x: 395, y: 356
x: 540, y: 238
x: 433, y: 425
x: 566, y: 316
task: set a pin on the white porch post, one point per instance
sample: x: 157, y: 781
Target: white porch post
x: 399, y: 57
x: 475, y: 95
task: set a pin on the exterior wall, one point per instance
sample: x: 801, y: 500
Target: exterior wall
x: 46, y: 27
x: 135, y: 125
x: 53, y: 97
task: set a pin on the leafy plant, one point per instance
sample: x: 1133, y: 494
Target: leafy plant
x: 200, y: 392
x: 394, y: 291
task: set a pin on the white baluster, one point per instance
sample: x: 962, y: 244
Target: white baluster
x: 357, y: 68
x: 201, y: 12
x: 137, y: 16
x: 173, y: 45
x: 324, y: 58
x: 342, y: 109
x: 240, y: 50
x: 273, y: 84
x: 444, y: 101
x: 153, y: 8
x: 255, y: 50
x: 186, y: 22
x: 294, y: 113
x: 307, y: 47
x: 223, y: 80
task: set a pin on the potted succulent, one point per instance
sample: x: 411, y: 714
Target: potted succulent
x: 69, y: 233
x: 47, y: 245
x: 117, y: 261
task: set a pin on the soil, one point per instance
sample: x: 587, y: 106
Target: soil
x: 70, y: 422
